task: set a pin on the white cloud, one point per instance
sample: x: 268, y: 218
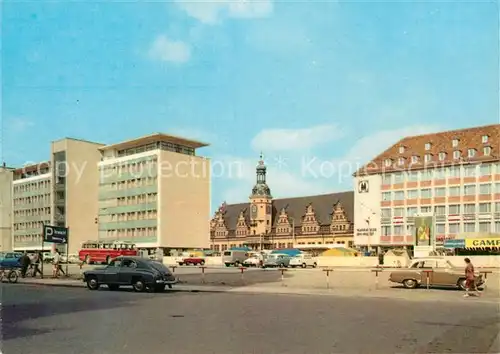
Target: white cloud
x: 301, y: 174
x: 295, y: 139
x: 166, y: 49
x: 19, y: 125
x: 210, y: 11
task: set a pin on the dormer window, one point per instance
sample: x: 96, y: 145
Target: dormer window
x: 401, y: 161
x: 401, y: 149
x: 442, y: 156
x: 456, y: 154
x: 487, y: 151
x: 471, y: 152
x: 414, y: 159
x: 485, y: 139
x: 428, y: 158
x: 454, y: 143
x: 428, y: 146
x: 388, y: 162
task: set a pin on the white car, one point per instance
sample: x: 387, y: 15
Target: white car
x: 254, y: 261
x: 303, y: 260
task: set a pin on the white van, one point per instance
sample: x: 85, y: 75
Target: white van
x: 303, y: 260
x: 235, y: 258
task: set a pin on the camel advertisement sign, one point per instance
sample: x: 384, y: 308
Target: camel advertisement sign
x: 424, y: 230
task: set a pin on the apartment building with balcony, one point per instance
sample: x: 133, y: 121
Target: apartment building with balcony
x: 453, y: 175
x: 155, y: 192
x: 62, y: 191
x: 6, y: 177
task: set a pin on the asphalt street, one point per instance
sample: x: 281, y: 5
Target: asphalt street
x: 39, y: 319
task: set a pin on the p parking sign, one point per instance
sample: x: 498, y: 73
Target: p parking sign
x: 55, y: 234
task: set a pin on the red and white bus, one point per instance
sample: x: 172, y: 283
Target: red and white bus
x: 103, y: 252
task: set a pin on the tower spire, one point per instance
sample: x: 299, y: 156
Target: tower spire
x: 261, y: 188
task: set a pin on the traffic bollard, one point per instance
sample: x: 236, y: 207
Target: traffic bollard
x: 283, y: 270
x: 173, y: 268
x: 242, y: 270
x: 427, y: 276
x: 376, y: 271
x: 203, y: 274
x: 327, y: 272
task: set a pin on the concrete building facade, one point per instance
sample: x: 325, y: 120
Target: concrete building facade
x: 6, y: 177
x: 452, y: 175
x: 155, y: 192
x: 62, y: 192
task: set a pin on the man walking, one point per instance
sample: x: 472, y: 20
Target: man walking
x: 470, y: 279
x: 57, y: 264
x: 25, y: 263
x: 36, y: 264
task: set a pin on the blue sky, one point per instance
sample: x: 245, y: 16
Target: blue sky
x: 310, y: 84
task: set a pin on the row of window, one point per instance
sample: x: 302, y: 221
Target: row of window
x: 33, y: 186
x: 442, y: 229
x: 129, y: 167
x: 134, y: 215
x: 160, y: 145
x: 454, y: 144
x: 134, y: 232
x: 453, y: 191
x: 19, y: 214
x: 442, y: 156
x: 131, y: 183
x: 30, y: 225
x: 33, y: 238
x: 453, y: 209
x: 440, y: 173
x: 42, y: 198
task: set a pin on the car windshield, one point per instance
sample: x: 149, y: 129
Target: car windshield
x: 227, y: 253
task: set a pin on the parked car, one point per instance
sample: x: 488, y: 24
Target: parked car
x: 234, y: 257
x: 10, y: 259
x: 191, y: 261
x: 140, y: 273
x: 256, y: 260
x: 277, y: 260
x: 303, y: 260
x: 444, y: 274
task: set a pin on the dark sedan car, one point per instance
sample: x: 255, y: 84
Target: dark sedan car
x: 140, y: 273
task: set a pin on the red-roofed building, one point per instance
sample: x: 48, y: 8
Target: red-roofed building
x: 454, y: 175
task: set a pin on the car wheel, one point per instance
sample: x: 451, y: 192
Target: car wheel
x: 138, y: 285
x: 236, y: 264
x: 462, y: 283
x: 113, y: 287
x: 202, y: 263
x: 187, y: 263
x: 228, y: 265
x: 181, y: 264
x: 12, y: 276
x: 410, y: 283
x: 169, y: 286
x: 304, y: 265
x: 315, y: 265
x: 92, y: 283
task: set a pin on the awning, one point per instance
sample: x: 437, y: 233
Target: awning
x: 454, y: 244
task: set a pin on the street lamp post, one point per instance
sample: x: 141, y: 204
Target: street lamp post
x: 293, y: 232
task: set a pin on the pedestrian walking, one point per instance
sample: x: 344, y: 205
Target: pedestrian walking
x: 25, y: 263
x: 36, y: 264
x: 57, y: 265
x: 470, y: 279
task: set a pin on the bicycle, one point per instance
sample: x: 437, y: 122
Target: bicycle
x: 10, y: 275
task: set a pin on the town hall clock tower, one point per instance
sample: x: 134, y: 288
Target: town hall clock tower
x: 261, y: 203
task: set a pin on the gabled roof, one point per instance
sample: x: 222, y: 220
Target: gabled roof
x: 296, y: 208
x: 470, y: 138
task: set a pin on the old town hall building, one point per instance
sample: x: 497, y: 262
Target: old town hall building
x: 267, y: 223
